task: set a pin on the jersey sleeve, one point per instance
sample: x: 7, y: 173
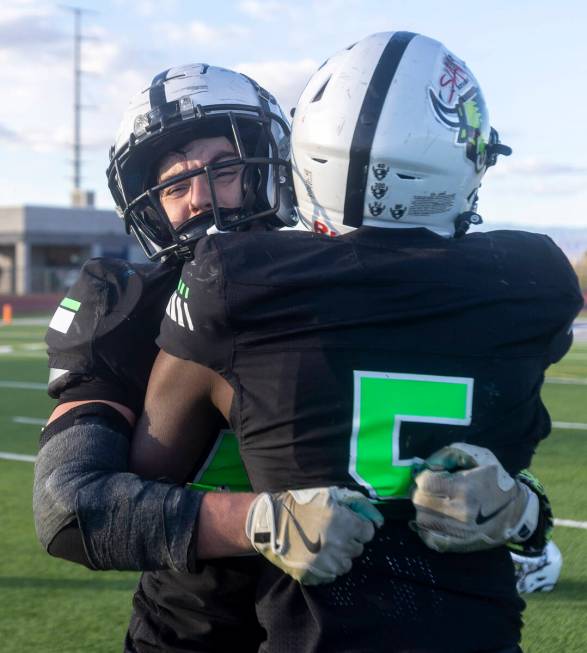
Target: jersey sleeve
x: 567, y: 302
x: 541, y: 286
x: 72, y: 331
x: 100, y: 344
x: 196, y: 325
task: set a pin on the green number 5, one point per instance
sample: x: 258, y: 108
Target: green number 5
x: 382, y: 402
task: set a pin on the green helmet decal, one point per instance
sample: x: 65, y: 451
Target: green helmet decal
x: 470, y: 119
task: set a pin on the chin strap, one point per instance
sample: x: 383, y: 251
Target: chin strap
x: 464, y: 221
x: 494, y: 148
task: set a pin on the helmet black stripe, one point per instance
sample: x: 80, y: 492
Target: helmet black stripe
x: 367, y: 125
x: 157, y: 90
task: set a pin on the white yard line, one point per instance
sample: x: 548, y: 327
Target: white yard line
x: 29, y: 420
x: 6, y: 455
x: 562, y: 381
x: 571, y: 523
x: 23, y: 385
x: 20, y: 385
x: 573, y: 426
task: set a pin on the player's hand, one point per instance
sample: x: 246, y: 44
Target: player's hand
x: 314, y: 534
x: 466, y: 501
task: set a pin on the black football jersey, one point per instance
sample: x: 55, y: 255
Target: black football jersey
x: 353, y: 357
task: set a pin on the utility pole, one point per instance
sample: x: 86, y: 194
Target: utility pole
x: 77, y: 83
x: 79, y: 198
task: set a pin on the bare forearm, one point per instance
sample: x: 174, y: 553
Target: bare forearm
x: 179, y: 422
x: 221, y: 525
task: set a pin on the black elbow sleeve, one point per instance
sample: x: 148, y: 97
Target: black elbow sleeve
x: 69, y: 545
x: 83, y: 493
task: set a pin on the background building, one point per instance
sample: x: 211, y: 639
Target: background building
x: 43, y: 247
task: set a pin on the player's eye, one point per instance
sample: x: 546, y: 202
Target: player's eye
x: 225, y: 174
x: 177, y: 190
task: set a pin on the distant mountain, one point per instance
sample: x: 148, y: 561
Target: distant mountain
x: 572, y: 240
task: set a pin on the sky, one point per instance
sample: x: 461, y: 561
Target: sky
x: 530, y: 58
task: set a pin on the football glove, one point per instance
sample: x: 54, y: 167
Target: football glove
x: 466, y: 501
x: 313, y: 534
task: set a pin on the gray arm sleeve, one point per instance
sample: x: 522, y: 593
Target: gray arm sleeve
x: 126, y: 522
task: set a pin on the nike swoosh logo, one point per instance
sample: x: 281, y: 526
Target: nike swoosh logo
x: 481, y: 518
x: 313, y: 547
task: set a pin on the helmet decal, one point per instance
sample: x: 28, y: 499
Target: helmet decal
x: 379, y: 189
x: 376, y: 208
x: 454, y: 78
x: 380, y: 171
x: 397, y: 211
x: 468, y: 117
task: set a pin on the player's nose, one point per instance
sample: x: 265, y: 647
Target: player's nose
x: 200, y: 195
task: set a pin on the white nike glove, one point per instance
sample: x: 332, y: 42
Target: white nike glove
x: 312, y: 535
x: 466, y: 501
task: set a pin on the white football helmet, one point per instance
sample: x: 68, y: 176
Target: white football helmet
x: 392, y: 131
x: 180, y: 105
x: 538, y: 573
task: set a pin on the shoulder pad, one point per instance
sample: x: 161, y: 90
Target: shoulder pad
x: 109, y: 299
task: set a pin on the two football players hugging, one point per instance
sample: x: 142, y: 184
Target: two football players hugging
x: 378, y: 374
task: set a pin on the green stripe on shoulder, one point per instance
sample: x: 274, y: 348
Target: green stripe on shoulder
x: 72, y: 304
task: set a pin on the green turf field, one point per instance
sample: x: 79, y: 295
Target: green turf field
x: 51, y: 606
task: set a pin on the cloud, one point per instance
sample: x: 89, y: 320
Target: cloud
x: 202, y: 34
x: 284, y: 79
x: 146, y: 8
x: 314, y: 12
x: 267, y: 10
x: 15, y: 9
x: 39, y: 109
x: 554, y: 187
x: 101, y: 55
x: 534, y: 177
x: 538, y: 168
x: 25, y: 27
x: 7, y: 135
x: 531, y: 186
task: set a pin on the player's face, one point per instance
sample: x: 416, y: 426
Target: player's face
x: 192, y: 197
